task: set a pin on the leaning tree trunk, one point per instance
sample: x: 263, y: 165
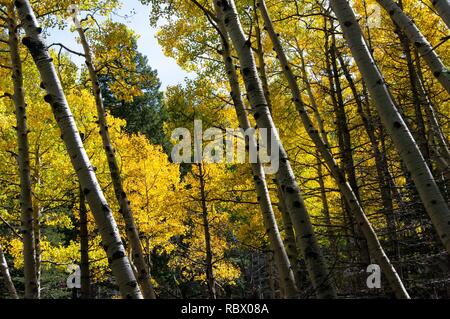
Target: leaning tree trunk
x: 85, y: 277
x: 393, y: 122
x: 37, y: 212
x: 283, y: 263
x: 23, y: 159
x: 380, y: 164
x: 211, y: 282
x: 416, y: 37
x: 111, y: 240
x: 289, y: 239
x: 6, y: 276
x: 443, y: 9
x: 347, y: 162
x: 351, y: 199
x: 143, y: 275
x: 306, y: 237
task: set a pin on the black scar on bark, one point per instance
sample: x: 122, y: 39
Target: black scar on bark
x: 26, y: 41
x: 117, y: 255
x: 48, y: 98
x: 290, y: 189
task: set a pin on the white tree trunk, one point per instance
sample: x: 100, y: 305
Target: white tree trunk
x: 23, y: 159
x: 443, y: 9
x: 6, y: 276
x: 143, y: 275
x: 394, y: 124
x: 350, y: 197
x: 305, y: 237
x: 270, y: 224
x: 107, y: 227
x: 419, y: 41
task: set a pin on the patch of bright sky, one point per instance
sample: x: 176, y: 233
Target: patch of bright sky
x: 136, y: 17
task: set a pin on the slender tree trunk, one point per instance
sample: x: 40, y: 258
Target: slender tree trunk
x: 208, y: 248
x: 314, y: 106
x: 383, y: 174
x: 138, y: 259
x: 324, y: 135
x: 352, y: 201
x: 276, y: 244
x: 429, y: 192
x: 417, y: 97
x: 84, y: 249
x: 345, y: 145
x: 305, y: 236
x: 323, y: 198
x: 443, y: 9
x: 416, y: 37
x: 37, y: 214
x: 6, y: 276
x: 289, y: 240
x: 441, y: 149
x: 111, y: 240
x: 26, y: 204
x: 262, y: 63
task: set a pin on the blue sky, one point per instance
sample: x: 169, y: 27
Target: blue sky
x: 169, y: 72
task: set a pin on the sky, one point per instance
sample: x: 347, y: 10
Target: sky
x: 168, y: 70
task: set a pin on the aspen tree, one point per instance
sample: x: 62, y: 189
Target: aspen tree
x: 443, y: 9
x: 6, y: 275
x: 111, y: 240
x: 282, y: 261
x: 84, y: 249
x: 383, y: 175
x: 306, y: 238
x: 23, y: 159
x: 414, y: 35
x: 143, y: 276
x: 211, y: 282
x: 352, y: 200
x: 347, y: 163
x: 394, y: 124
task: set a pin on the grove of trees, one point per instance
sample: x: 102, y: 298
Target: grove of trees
x: 356, y: 94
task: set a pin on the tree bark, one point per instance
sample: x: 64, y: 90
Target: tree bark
x: 347, y: 162
x: 132, y: 232
x: 352, y: 200
x: 416, y: 37
x: 305, y: 237
x: 6, y: 276
x: 211, y: 282
x: 111, y: 240
x: 280, y: 254
x: 289, y: 240
x: 23, y: 159
x: 84, y: 249
x: 393, y: 122
x: 443, y: 9
x: 383, y: 174
x: 37, y: 214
